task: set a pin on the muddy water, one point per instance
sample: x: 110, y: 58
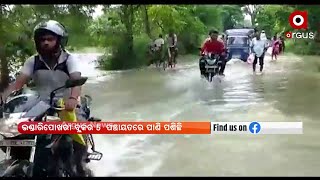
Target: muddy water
x: 287, y: 91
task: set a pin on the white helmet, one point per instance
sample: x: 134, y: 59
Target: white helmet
x: 53, y: 27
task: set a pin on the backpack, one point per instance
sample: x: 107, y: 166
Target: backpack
x: 40, y: 65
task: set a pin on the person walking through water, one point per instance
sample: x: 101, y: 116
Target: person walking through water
x: 259, y: 47
x: 159, y: 43
x: 172, y: 48
x: 282, y: 45
x: 275, y: 48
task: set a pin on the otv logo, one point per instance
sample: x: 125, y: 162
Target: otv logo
x: 299, y: 20
x: 255, y: 127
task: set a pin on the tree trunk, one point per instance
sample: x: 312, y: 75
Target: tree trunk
x: 146, y: 21
x: 317, y: 37
x: 127, y: 18
x: 4, y: 69
x: 252, y: 11
x: 4, y: 61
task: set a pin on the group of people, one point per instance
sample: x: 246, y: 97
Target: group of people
x: 278, y: 46
x: 160, y: 52
x: 258, y: 42
x: 259, y: 46
x: 217, y: 45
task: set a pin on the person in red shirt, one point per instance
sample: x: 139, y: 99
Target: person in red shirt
x: 214, y: 46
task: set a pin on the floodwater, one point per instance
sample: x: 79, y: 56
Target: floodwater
x: 287, y: 91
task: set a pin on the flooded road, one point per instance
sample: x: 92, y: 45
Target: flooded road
x: 287, y: 91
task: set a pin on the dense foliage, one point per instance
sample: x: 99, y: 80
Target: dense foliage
x: 16, y: 30
x: 274, y: 20
x: 124, y: 31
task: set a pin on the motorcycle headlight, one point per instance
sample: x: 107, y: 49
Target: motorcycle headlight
x: 211, y: 62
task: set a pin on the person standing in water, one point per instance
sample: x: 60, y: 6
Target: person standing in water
x: 259, y: 47
x: 275, y: 48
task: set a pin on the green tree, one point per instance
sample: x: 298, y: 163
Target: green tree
x: 16, y: 30
x: 232, y: 16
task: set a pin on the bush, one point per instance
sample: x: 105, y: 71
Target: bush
x: 140, y: 48
x: 188, y: 43
x: 121, y: 58
x: 303, y: 47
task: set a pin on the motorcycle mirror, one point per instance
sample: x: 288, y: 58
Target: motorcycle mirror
x: 77, y: 82
x: 1, y: 113
x: 89, y: 98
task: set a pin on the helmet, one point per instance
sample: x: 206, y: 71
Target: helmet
x: 53, y: 27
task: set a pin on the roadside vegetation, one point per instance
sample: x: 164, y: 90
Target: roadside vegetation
x: 124, y: 32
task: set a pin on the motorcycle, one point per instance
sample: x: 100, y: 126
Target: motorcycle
x: 211, y: 65
x: 22, y: 148
x: 20, y: 101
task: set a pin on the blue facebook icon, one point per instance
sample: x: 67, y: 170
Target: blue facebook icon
x: 254, y: 127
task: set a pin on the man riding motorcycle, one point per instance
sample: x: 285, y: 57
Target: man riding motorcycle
x: 214, y: 46
x: 50, y: 69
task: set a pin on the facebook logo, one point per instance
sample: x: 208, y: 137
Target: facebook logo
x: 254, y: 127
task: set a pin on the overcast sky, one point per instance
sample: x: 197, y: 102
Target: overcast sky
x: 97, y: 11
